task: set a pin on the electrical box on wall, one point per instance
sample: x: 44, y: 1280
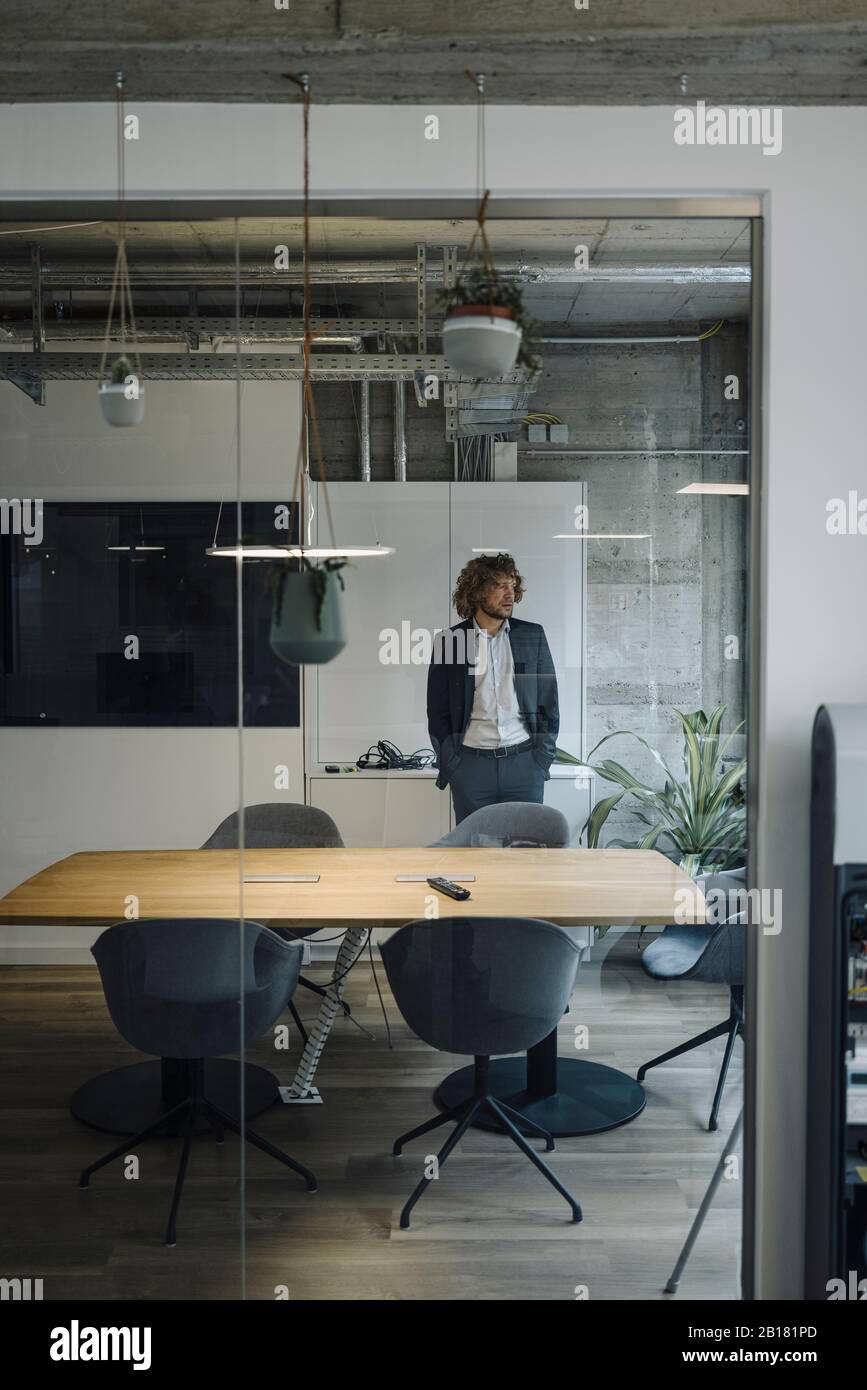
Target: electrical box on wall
x: 505, y: 461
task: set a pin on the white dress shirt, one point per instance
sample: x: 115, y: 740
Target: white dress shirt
x: 496, y: 721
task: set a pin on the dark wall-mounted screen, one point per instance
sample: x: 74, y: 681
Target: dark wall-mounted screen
x: 119, y: 617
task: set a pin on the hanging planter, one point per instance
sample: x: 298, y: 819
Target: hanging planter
x: 486, y: 327
x: 121, y: 396
x: 122, y: 399
x: 483, y: 330
x: 307, y: 613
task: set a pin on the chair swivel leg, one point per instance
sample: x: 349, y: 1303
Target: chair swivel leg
x: 130, y: 1143
x: 456, y: 1135
x: 517, y: 1118
x: 718, y: 1032
x: 171, y: 1232
x: 455, y: 1113
x: 258, y: 1142
x: 515, y: 1134
x: 734, y: 1029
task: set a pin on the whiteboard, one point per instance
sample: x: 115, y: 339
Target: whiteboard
x: 393, y: 604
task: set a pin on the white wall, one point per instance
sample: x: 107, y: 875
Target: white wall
x: 66, y: 790
x: 816, y: 284
x: 73, y: 789
x: 184, y: 450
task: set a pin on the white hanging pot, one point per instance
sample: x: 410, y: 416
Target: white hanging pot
x: 481, y: 339
x: 119, y: 407
x: 305, y: 631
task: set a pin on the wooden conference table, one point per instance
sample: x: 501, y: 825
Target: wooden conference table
x: 360, y: 889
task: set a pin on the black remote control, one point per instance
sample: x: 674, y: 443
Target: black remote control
x: 451, y: 890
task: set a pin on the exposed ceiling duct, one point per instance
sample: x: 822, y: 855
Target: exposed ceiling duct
x: 180, y: 276
x: 364, y: 433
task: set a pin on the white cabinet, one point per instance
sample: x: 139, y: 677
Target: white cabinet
x: 377, y: 687
x: 573, y: 795
x: 374, y: 809
x: 525, y: 519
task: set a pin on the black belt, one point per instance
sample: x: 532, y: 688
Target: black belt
x: 507, y: 752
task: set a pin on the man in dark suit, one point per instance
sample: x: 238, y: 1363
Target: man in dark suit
x: 492, y: 694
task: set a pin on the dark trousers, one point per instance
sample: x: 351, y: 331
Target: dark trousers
x: 477, y: 782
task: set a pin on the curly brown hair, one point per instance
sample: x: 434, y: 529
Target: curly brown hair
x: 475, y: 577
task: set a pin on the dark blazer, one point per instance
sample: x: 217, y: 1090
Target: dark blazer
x: 451, y: 688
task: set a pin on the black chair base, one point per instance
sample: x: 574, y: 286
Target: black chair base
x: 732, y: 1027
x: 463, y: 1115
x: 186, y: 1114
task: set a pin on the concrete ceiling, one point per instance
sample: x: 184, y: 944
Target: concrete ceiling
x: 653, y: 256
x: 611, y: 52
x: 541, y: 241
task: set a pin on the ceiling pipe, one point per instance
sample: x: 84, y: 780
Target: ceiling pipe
x: 399, y: 413
x: 89, y: 333
x: 373, y: 272
x: 586, y: 342
x: 399, y: 432
x: 364, y: 436
x: 640, y: 453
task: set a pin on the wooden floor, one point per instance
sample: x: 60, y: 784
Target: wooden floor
x: 489, y: 1228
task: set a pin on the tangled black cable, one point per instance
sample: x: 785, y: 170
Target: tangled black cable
x: 388, y: 755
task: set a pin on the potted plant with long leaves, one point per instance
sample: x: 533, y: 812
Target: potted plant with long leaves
x: 697, y: 819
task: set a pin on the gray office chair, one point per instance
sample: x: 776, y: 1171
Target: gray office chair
x: 510, y: 823
x: 172, y: 988
x: 482, y: 986
x: 283, y: 825
x: 711, y: 953
x: 278, y: 825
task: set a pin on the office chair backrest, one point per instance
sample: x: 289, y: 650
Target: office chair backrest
x: 510, y: 822
x: 173, y: 986
x: 278, y: 825
x: 722, y: 960
x: 481, y: 986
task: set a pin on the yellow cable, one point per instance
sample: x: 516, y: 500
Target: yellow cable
x: 702, y: 337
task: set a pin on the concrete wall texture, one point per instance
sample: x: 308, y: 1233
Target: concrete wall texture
x: 661, y: 612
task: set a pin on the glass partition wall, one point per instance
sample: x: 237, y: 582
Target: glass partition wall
x: 174, y: 682
x: 119, y: 723
x: 614, y: 470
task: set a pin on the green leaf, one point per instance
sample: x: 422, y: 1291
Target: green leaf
x: 703, y: 816
x: 597, y: 818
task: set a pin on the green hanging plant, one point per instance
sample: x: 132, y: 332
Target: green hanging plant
x: 121, y: 368
x: 319, y: 571
x: 483, y: 285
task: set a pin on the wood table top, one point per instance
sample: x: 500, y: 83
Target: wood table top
x: 573, y: 887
